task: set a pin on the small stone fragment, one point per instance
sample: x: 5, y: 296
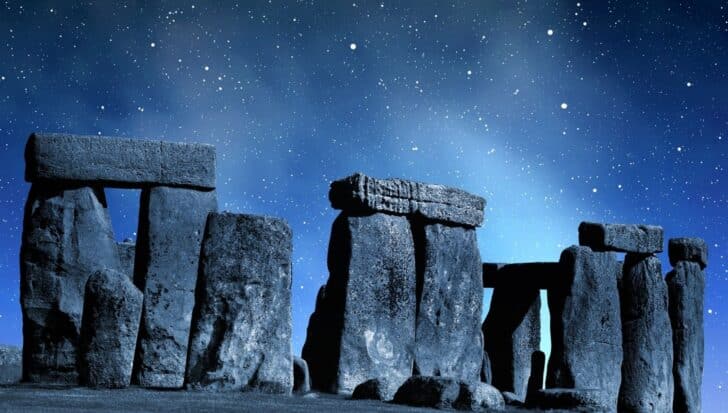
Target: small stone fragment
x: 688, y: 249
x: 301, y: 378
x: 127, y: 252
x: 111, y: 313
x: 380, y: 388
x: 428, y: 391
x: 640, y: 239
x: 475, y: 396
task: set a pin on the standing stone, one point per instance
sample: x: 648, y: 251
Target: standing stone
x: 364, y: 323
x: 301, y: 377
x: 586, y: 331
x: 512, y: 333
x: 67, y: 236
x: 640, y: 239
x: 241, y: 330
x: 686, y: 288
x: 111, y: 313
x: 448, y: 341
x: 647, y: 384
x: 171, y: 225
x: 127, y: 252
x: 11, y: 364
x: 535, y: 382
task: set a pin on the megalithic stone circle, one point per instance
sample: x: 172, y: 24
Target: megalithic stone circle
x: 640, y: 239
x: 67, y: 236
x: 241, y: 330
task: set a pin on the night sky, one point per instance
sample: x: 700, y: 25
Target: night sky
x: 555, y: 112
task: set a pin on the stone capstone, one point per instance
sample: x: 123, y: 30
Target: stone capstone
x: 171, y: 226
x: 119, y: 162
x: 241, y: 330
x: 686, y: 290
x: 639, y: 239
x: 647, y: 383
x: 364, y: 323
x: 360, y: 194
x: 688, y: 249
x: 301, y: 377
x: 67, y: 236
x: 111, y: 313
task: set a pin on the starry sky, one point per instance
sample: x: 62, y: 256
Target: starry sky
x: 554, y: 111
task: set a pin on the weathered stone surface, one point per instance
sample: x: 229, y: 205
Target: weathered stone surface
x: 241, y: 329
x: 512, y: 330
x: 590, y: 400
x: 448, y: 340
x: 118, y: 161
x: 11, y: 364
x: 380, y: 388
x: 428, y: 391
x: 535, y: 381
x: 686, y: 289
x: 171, y: 226
x: 359, y: 193
x: 301, y: 377
x: 640, y: 239
x: 586, y: 333
x: 111, y: 313
x: 511, y: 399
x: 486, y: 372
x: 539, y: 275
x: 67, y: 236
x: 364, y: 323
x: 647, y: 384
x: 688, y: 249
x: 475, y: 396
x: 127, y: 252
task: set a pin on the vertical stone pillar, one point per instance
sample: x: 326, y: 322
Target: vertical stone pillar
x: 67, y: 236
x: 171, y: 226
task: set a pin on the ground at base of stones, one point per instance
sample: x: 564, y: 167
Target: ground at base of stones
x: 37, y: 398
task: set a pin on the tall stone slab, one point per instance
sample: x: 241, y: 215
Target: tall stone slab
x: 127, y: 254
x: 364, y: 323
x: 686, y: 290
x: 111, y: 313
x: 647, y: 383
x: 241, y: 330
x: 450, y: 298
x: 586, y: 333
x: 67, y: 236
x: 171, y: 226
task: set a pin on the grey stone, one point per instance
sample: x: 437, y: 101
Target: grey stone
x: 475, y: 396
x: 512, y: 329
x: 364, y: 323
x: 67, y: 236
x: 688, y: 249
x: 241, y: 329
x: 301, y: 377
x: 127, y: 254
x: 512, y: 399
x: 428, y: 391
x: 11, y: 364
x: 171, y: 226
x: 583, y: 400
x: 448, y: 340
x: 647, y: 384
x: 586, y: 330
x: 111, y: 313
x: 486, y: 372
x: 686, y: 290
x: 535, y: 381
x: 380, y: 388
x: 359, y: 193
x: 540, y: 275
x: 640, y: 239
x: 120, y: 162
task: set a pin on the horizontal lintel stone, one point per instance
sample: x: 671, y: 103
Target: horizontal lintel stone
x: 638, y: 239
x: 121, y: 162
x: 688, y: 249
x: 359, y: 193
x: 528, y: 274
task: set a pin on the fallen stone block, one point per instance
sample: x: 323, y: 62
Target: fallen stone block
x: 111, y: 314
x: 171, y: 226
x: 688, y: 249
x: 448, y: 340
x: 364, y: 323
x: 380, y: 388
x: 476, y: 396
x: 639, y: 239
x: 363, y: 194
x: 67, y: 236
x: 428, y: 391
x: 586, y: 329
x: 119, y: 162
x: 241, y: 330
x: 647, y: 383
x: 11, y: 364
x: 539, y: 275
x: 589, y: 400
x: 686, y: 290
x: 127, y: 252
x: 301, y: 377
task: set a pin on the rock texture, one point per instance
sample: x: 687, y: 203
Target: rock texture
x: 111, y: 313
x: 67, y: 236
x: 118, y: 161
x: 301, y: 377
x: 241, y: 331
x: 380, y: 388
x: 586, y: 333
x: 11, y: 364
x: 688, y: 249
x: 475, y: 396
x: 686, y: 289
x: 647, y: 383
x: 448, y: 341
x: 428, y: 391
x: 512, y: 329
x: 639, y: 239
x: 582, y: 400
x: 171, y: 225
x: 363, y: 194
x: 364, y: 323
x: 127, y: 253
